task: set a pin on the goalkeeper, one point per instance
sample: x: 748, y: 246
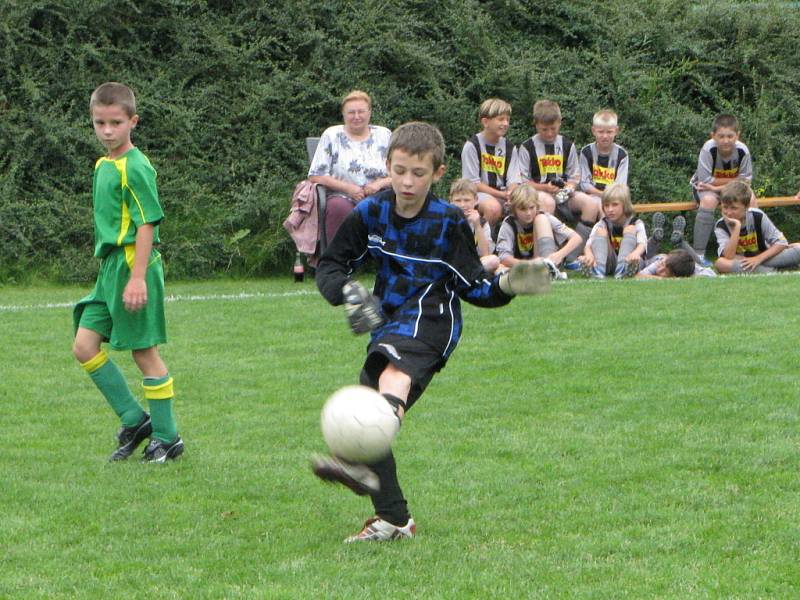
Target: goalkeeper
x: 426, y: 260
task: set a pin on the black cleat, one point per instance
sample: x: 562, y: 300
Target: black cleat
x: 359, y: 478
x: 159, y: 452
x: 129, y: 438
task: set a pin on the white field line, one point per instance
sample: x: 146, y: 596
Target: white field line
x: 249, y: 295
x: 169, y: 298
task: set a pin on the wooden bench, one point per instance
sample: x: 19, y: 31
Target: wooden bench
x: 679, y: 206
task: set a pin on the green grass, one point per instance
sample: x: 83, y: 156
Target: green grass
x: 611, y: 440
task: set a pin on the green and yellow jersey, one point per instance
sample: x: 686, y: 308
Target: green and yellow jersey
x: 125, y: 197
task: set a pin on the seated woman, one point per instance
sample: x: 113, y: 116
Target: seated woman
x: 350, y: 160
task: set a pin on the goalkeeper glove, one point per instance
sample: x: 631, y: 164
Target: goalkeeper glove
x: 363, y: 310
x: 526, y: 278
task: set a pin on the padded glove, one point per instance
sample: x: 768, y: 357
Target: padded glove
x: 363, y: 310
x: 526, y: 278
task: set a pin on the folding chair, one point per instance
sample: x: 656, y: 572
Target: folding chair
x: 311, y: 148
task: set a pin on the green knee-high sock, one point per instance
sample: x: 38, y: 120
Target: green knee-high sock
x: 111, y: 383
x: 160, y: 396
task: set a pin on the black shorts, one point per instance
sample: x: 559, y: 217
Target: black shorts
x: 414, y: 358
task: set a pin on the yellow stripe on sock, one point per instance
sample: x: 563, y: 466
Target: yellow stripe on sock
x: 162, y: 391
x: 96, y: 362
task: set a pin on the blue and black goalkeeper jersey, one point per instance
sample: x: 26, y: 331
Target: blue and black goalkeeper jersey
x: 424, y: 265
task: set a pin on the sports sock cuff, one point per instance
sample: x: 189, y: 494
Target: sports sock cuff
x: 97, y: 361
x: 394, y: 401
x: 706, y: 211
x: 158, y: 388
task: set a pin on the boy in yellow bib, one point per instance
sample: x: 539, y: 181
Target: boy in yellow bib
x: 126, y: 306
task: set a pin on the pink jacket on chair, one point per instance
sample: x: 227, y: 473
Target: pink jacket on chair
x: 303, y: 221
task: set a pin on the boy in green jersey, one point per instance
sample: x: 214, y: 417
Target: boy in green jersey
x: 126, y: 306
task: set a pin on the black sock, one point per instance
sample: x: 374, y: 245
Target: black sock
x: 396, y: 404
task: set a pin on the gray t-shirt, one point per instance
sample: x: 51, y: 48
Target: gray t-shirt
x: 748, y: 236
x: 493, y: 159
x: 711, y: 165
x: 600, y: 170
x: 550, y: 159
x: 523, y: 242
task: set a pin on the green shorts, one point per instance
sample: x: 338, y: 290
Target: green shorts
x: 104, y: 312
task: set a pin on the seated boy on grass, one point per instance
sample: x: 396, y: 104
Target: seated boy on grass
x: 748, y: 240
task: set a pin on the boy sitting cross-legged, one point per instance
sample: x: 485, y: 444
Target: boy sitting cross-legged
x: 425, y: 260
x: 748, y: 240
x: 528, y: 232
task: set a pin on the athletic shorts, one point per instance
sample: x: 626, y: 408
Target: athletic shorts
x: 414, y: 358
x: 104, y: 312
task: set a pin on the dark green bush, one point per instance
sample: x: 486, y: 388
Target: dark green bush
x: 228, y: 90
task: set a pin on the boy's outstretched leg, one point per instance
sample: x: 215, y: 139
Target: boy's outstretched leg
x: 165, y: 444
x: 112, y: 384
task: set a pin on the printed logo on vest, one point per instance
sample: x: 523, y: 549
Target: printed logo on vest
x: 551, y: 163
x: 748, y: 244
x: 605, y: 175
x: 525, y: 243
x: 726, y: 173
x: 493, y: 164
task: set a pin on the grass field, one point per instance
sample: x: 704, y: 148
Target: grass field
x: 636, y: 439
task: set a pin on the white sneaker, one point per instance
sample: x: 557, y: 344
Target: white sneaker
x: 555, y: 274
x: 359, y: 478
x: 378, y: 530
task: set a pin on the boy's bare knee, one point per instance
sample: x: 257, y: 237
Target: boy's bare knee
x: 86, y: 345
x: 601, y: 233
x: 149, y: 362
x: 723, y: 265
x: 393, y: 381
x: 629, y: 229
x: 547, y: 203
x: 708, y: 201
x: 491, y: 210
x: 490, y: 262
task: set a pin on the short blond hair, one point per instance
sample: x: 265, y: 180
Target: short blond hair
x: 605, y: 118
x: 494, y: 107
x: 619, y: 192
x: 546, y: 112
x: 463, y: 186
x: 111, y: 93
x: 522, y: 196
x: 357, y: 95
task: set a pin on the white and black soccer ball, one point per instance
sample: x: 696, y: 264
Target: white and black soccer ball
x: 358, y: 424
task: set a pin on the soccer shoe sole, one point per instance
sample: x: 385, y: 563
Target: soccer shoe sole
x: 360, y: 482
x: 659, y: 220
x: 678, y: 228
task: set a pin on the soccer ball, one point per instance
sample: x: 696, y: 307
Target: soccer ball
x: 358, y: 424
